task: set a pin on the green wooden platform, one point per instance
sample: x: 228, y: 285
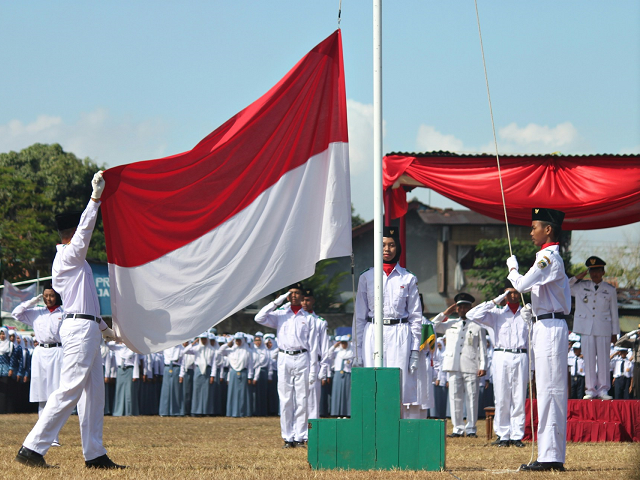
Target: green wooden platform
x: 375, y: 437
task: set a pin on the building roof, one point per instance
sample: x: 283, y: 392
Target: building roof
x: 442, y: 153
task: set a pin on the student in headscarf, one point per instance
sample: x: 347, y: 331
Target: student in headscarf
x: 440, y: 391
x: 202, y: 353
x: 8, y: 363
x: 273, y: 406
x: 127, y: 381
x: 186, y: 379
x: 402, y: 317
x: 219, y: 377
x: 341, y: 357
x: 240, y: 372
x: 261, y: 361
x: 171, y: 396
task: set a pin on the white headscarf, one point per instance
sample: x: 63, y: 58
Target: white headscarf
x: 5, y: 345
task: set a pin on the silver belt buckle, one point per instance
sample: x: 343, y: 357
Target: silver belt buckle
x: 386, y: 321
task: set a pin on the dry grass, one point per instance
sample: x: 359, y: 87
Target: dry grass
x: 190, y: 448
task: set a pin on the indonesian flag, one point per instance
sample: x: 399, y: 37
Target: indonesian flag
x: 195, y: 237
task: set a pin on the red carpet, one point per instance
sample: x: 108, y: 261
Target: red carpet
x: 596, y: 421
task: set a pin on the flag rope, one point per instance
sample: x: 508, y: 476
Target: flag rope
x: 506, y: 220
x: 339, y: 13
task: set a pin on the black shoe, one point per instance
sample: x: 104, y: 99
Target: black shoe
x: 289, y: 444
x: 517, y: 443
x: 31, y: 458
x: 301, y: 443
x: 102, y: 462
x: 496, y: 442
x: 455, y: 435
x: 542, y: 467
x: 504, y: 443
x: 472, y: 435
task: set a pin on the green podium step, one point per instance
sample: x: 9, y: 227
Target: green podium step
x: 375, y: 437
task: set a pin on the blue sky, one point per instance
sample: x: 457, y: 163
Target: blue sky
x: 125, y: 81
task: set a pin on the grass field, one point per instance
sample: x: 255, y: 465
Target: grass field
x: 193, y: 448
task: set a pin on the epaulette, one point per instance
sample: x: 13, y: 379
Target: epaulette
x: 320, y: 318
x: 365, y: 270
x: 409, y: 271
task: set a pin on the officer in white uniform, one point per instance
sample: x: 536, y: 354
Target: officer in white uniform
x: 81, y: 381
x: 465, y: 358
x: 551, y: 301
x: 297, y: 361
x: 596, y: 320
x: 46, y: 362
x: 510, y: 364
x: 402, y: 317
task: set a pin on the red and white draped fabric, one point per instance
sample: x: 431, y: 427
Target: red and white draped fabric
x: 595, y: 191
x: 195, y: 237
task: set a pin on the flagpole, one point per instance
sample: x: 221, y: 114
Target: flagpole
x: 378, y: 223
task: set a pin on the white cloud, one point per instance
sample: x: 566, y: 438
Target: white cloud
x: 534, y: 137
x: 96, y: 135
x: 431, y: 140
x: 360, y: 117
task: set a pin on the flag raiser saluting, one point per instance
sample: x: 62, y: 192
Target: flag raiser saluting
x: 195, y: 237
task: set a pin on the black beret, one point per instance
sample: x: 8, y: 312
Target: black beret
x: 595, y: 262
x: 463, y: 297
x: 296, y: 286
x: 392, y: 232
x: 308, y: 292
x: 65, y: 221
x: 554, y: 217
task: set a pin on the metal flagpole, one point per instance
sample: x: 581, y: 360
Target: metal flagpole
x: 377, y: 181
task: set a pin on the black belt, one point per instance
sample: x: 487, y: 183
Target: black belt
x: 83, y: 316
x: 511, y: 350
x: 126, y: 367
x: 292, y: 352
x: 544, y: 316
x: 390, y: 321
x: 50, y: 345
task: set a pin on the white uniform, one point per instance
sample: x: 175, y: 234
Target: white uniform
x: 596, y: 320
x: 465, y: 353
x: 81, y: 380
x: 401, y: 304
x: 46, y: 361
x: 509, y: 366
x: 550, y: 293
x: 297, y: 364
x: 323, y: 347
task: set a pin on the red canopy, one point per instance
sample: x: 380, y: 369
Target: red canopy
x: 595, y: 191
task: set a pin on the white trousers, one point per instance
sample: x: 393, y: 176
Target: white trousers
x: 81, y: 384
x: 595, y: 352
x: 463, y: 387
x: 293, y: 391
x: 510, y: 377
x: 313, y: 403
x: 550, y: 340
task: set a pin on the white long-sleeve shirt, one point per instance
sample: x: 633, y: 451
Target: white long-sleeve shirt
x: 547, y: 282
x: 510, y: 330
x: 72, y: 275
x: 45, y: 324
x: 240, y: 358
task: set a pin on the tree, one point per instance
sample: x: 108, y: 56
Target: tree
x: 356, y: 220
x: 36, y: 184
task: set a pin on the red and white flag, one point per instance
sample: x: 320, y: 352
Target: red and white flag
x: 195, y: 237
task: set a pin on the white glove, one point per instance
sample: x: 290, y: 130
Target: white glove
x: 512, y: 262
x: 413, y: 361
x: 526, y: 313
x: 98, y: 185
x: 312, y: 378
x: 500, y: 298
x: 109, y: 335
x: 280, y: 300
x: 34, y: 301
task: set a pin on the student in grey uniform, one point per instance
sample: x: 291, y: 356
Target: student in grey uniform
x: 171, y: 397
x: 240, y: 372
x: 440, y: 392
x: 341, y: 356
x: 186, y: 380
x: 261, y: 362
x: 576, y: 371
x: 127, y: 382
x: 203, y: 353
x: 147, y: 393
x: 46, y: 362
x: 110, y: 372
x: 81, y: 381
x: 273, y: 407
x: 218, y: 378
